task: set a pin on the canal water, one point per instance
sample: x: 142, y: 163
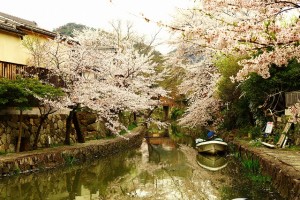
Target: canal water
x: 163, y: 170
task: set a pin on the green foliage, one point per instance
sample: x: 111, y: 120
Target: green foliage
x: 69, y: 159
x: 69, y: 28
x: 132, y: 126
x: 176, y: 113
x: 255, y: 143
x: 253, y: 171
x: 129, y: 128
x: 23, y: 93
x: 17, y: 170
x: 251, y: 165
x: 255, y: 132
x: 176, y: 130
x: 236, y: 114
x: 156, y: 56
x: 249, y: 101
x: 269, y: 92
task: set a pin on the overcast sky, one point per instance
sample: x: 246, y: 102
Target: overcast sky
x: 95, y: 13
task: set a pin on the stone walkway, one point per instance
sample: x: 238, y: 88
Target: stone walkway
x: 283, y: 165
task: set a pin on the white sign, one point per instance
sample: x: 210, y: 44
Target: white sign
x: 269, y: 127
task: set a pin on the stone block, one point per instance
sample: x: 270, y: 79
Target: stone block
x: 8, y: 130
x: 31, y: 121
x: 55, y: 126
x: 34, y: 129
x: 1, y: 130
x: 11, y: 148
x: 8, y: 139
x: 60, y: 124
x: 24, y: 126
x: 93, y: 127
x: 14, y: 133
x: 4, y: 138
x: 13, y: 125
x: 36, y: 121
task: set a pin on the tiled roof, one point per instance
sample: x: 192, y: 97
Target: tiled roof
x: 17, y: 19
x: 19, y: 26
x: 11, y: 29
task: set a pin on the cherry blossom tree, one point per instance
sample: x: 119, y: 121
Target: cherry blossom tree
x: 264, y: 32
x: 201, y: 75
x: 104, y: 74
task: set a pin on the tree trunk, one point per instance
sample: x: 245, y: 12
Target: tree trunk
x: 68, y: 127
x: 20, y: 132
x: 79, y: 134
x: 134, y: 118
x: 38, y: 132
x: 166, y: 112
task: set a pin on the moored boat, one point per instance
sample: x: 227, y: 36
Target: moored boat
x: 212, y: 146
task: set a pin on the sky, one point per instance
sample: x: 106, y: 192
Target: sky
x: 98, y: 14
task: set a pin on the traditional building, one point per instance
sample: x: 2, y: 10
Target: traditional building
x: 13, y: 54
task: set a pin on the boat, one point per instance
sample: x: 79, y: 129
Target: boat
x: 211, y: 162
x: 211, y: 146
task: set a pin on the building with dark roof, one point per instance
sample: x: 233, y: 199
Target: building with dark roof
x: 13, y: 55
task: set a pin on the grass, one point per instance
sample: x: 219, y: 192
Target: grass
x: 253, y: 171
x: 293, y: 148
x: 17, y: 170
x: 255, y: 143
x: 3, y: 153
x: 69, y: 160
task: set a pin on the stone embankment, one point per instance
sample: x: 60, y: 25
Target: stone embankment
x: 281, y: 164
x: 48, y: 158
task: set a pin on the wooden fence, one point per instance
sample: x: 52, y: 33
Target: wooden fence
x: 291, y: 98
x: 11, y: 70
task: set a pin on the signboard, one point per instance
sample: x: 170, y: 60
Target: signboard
x: 269, y: 127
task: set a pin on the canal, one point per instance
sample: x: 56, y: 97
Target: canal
x: 160, y: 170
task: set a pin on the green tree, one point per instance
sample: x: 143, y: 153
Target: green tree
x: 24, y: 93
x: 255, y: 99
x: 267, y: 95
x: 69, y: 28
x: 236, y: 112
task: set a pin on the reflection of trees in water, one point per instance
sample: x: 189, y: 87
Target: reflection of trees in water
x: 66, y: 183
x: 163, y: 177
x: 73, y: 187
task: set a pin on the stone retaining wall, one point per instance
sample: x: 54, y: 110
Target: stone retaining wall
x: 285, y: 178
x: 52, y: 132
x: 53, y: 157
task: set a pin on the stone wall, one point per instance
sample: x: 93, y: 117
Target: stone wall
x: 52, y: 132
x: 53, y: 157
x: 285, y: 177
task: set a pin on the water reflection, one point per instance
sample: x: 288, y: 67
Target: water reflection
x: 212, y: 162
x: 87, y: 180
x: 158, y: 170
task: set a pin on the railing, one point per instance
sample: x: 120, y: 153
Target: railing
x: 11, y: 70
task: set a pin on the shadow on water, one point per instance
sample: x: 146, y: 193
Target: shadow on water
x: 160, y: 169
